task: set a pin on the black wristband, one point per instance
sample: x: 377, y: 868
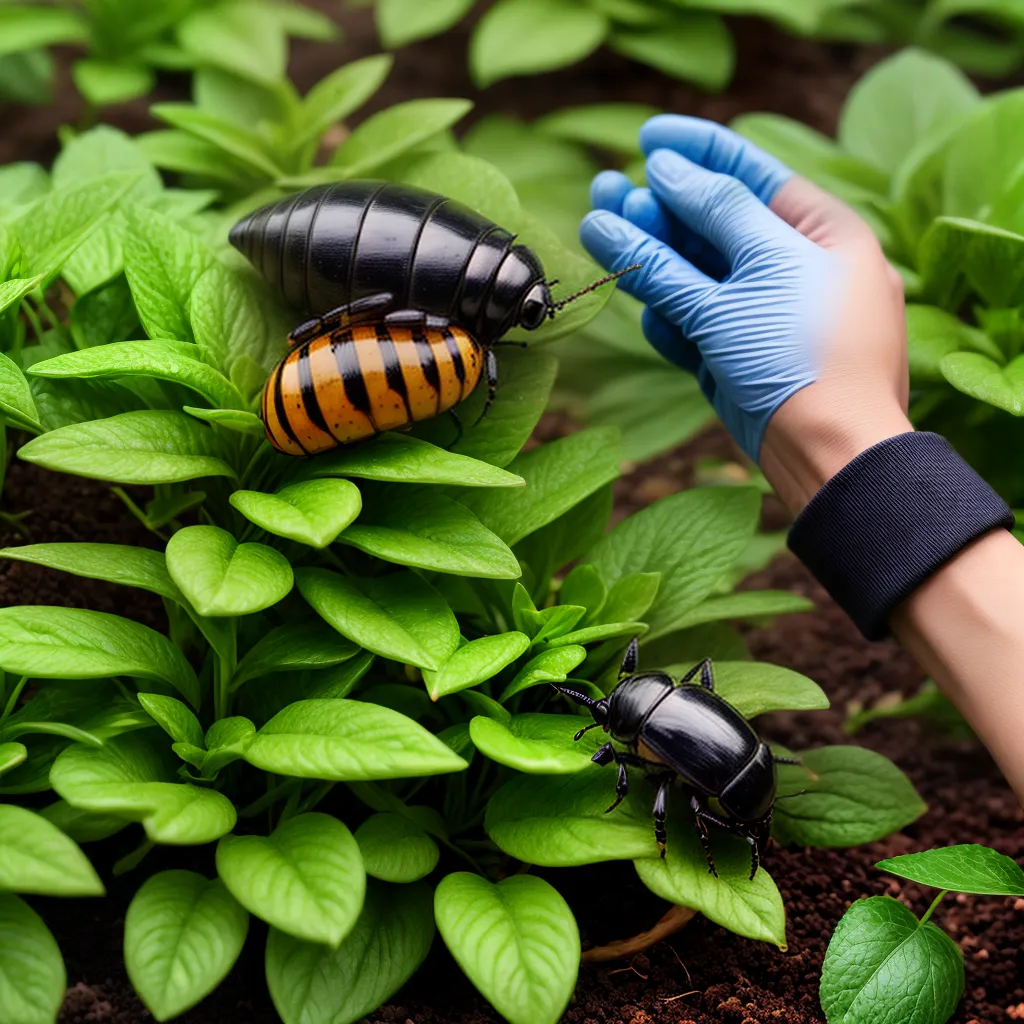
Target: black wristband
x: 884, y: 523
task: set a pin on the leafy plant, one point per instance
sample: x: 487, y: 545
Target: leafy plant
x: 882, y: 960
x: 128, y: 41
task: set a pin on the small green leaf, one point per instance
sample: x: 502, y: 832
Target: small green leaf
x: 612, y: 126
x: 306, y: 878
x: 311, y: 512
x: 175, y: 718
x: 230, y: 419
x: 965, y: 868
x: 883, y: 964
x: 32, y: 975
x: 394, y: 849
x: 11, y: 755
x: 337, y: 95
x: 219, y: 576
x: 983, y: 378
x: 854, y: 796
x: 17, y: 406
x: 311, y: 983
x: 403, y: 21
x: 597, y: 634
x: 227, y: 740
x: 182, y: 935
x: 29, y: 27
x: 294, y: 646
x: 104, y: 82
x: 14, y: 291
x: 552, y: 666
x: 347, y: 740
x: 584, y: 586
x: 37, y: 857
x: 746, y: 604
x: 537, y: 744
x: 82, y: 826
x: 630, y: 598
x: 474, y: 663
x: 933, y: 333
x: 75, y: 643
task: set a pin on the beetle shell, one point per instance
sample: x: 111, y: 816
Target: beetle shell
x: 334, y: 244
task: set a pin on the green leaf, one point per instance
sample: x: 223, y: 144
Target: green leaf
x: 82, y: 826
x: 11, y: 755
x: 560, y: 820
x: 182, y: 935
x: 175, y: 718
x: 12, y: 292
x: 558, y: 476
x: 165, y: 360
x: 347, y: 740
x: 236, y: 420
x: 311, y: 512
x: 695, y: 47
x: 611, y: 126
x: 129, y: 777
x: 28, y: 28
x: 36, y: 857
x: 244, y: 38
x: 227, y: 741
x: 104, y: 82
x: 151, y: 446
x: 394, y: 849
x: 751, y: 908
x: 899, y: 103
x: 17, y: 406
x: 475, y: 663
x: 398, y: 616
x: 517, y: 941
x: 536, y: 744
x: 403, y: 21
x: 306, y: 878
x: 117, y: 563
x: 427, y: 530
x: 506, y: 41
x: 691, y: 538
x: 294, y: 646
x: 584, y: 586
x: 32, y: 975
x: 163, y: 262
x: 75, y: 643
x: 313, y: 984
x: 746, y: 604
x: 219, y: 576
x: 394, y: 131
x: 853, y: 796
x: 965, y: 868
x: 932, y: 333
x: 399, y: 458
x: 983, y: 378
x: 882, y: 963
x: 630, y: 598
x: 552, y: 666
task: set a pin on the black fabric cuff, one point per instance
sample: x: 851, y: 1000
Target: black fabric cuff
x: 889, y: 519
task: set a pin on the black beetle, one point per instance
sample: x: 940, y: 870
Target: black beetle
x: 687, y: 731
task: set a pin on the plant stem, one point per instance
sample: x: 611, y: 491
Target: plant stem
x: 314, y: 797
x: 133, y: 859
x: 928, y: 913
x: 269, y: 798
x: 13, y: 699
x: 33, y: 319
x: 223, y: 672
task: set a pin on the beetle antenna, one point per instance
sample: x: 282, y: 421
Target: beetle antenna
x: 585, y: 729
x: 789, y: 796
x: 580, y: 698
x: 562, y: 303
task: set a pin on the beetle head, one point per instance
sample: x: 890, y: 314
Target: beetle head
x: 598, y: 708
x: 534, y: 309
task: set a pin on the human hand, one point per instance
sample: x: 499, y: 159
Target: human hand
x: 774, y: 293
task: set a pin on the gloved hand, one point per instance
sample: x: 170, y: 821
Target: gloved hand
x: 773, y: 292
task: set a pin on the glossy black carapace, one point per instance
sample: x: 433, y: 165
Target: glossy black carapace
x: 686, y: 731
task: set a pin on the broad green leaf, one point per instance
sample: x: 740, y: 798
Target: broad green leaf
x: 552, y: 666
x: 584, y: 586
x: 75, y: 643
x: 306, y: 878
x: 691, y: 538
x: 964, y: 868
x: 37, y: 857
x: 749, y: 907
x: 338, y: 94
x: 11, y: 755
x: 403, y: 21
x: 243, y: 38
x: 294, y: 646
x: 129, y: 777
x: 884, y: 964
x: 537, y: 744
x: 347, y: 740
x: 612, y: 126
x: 165, y: 360
x: 82, y: 826
x: 475, y: 662
x: 427, y: 530
x: 745, y: 604
x: 560, y: 820
x: 517, y: 941
x: 558, y: 476
x: 398, y: 616
x: 182, y: 935
x: 506, y: 41
x: 181, y: 151
x: 311, y: 512
x: 983, y: 378
x: 163, y: 262
x: 932, y: 333
x: 32, y: 975
x: 143, y: 447
x: 853, y: 796
x: 394, y: 849
x: 311, y: 983
x: 117, y: 563
x: 27, y: 28
x: 631, y: 597
x: 468, y: 180
x: 399, y: 458
x: 105, y: 82
x: 17, y: 406
x: 219, y: 576
x: 176, y: 719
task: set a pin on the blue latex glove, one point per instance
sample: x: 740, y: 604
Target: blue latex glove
x: 733, y: 292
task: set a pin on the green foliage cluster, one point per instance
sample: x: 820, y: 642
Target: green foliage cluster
x: 690, y: 39
x: 937, y: 171
x: 128, y: 41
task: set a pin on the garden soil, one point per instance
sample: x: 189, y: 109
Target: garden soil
x: 703, y: 974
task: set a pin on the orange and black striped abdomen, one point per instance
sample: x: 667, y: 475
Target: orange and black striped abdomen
x: 358, y: 381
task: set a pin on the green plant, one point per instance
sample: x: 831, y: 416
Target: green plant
x: 936, y: 170
x: 883, y: 962
x: 129, y: 40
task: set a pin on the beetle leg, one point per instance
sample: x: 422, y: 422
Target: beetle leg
x: 491, y: 368
x: 621, y: 787
x: 416, y: 318
x: 755, y: 856
x: 659, y: 814
x: 605, y: 755
x: 707, y: 680
x: 361, y: 311
x: 702, y: 831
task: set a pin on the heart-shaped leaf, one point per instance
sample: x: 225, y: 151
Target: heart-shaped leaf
x: 312, y: 512
x: 32, y: 975
x: 394, y: 849
x: 37, y: 857
x: 964, y: 868
x: 537, y: 744
x: 475, y: 662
